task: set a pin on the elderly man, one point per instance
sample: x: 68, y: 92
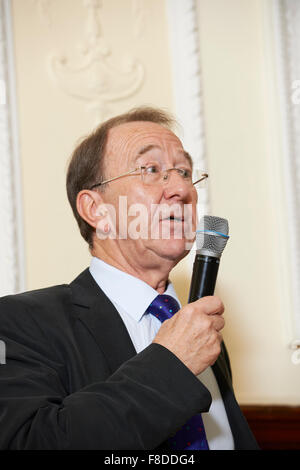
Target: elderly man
x: 93, y: 364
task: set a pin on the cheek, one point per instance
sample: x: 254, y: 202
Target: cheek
x: 135, y: 205
x: 145, y: 198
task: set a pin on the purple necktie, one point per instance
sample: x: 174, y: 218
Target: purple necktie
x: 192, y: 435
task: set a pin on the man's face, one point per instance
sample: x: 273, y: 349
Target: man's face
x: 160, y: 216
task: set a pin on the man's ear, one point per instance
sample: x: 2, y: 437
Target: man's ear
x: 89, y: 205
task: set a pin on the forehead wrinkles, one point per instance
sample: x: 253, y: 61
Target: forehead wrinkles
x: 124, y: 142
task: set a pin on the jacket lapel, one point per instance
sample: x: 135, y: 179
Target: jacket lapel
x: 99, y: 315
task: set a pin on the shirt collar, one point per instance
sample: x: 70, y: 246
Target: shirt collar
x: 129, y: 292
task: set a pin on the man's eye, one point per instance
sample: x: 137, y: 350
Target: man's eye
x: 152, y: 169
x: 186, y: 173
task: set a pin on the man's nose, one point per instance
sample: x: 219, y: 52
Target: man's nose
x: 175, y: 186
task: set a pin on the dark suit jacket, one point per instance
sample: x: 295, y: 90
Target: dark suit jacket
x: 73, y: 380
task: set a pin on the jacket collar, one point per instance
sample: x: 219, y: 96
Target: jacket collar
x: 98, y: 314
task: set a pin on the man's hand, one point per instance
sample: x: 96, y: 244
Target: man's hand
x: 193, y: 333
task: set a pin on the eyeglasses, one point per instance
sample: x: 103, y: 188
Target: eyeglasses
x: 154, y: 174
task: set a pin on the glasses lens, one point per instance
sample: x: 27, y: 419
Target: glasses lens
x: 151, y: 174
x: 154, y: 174
x: 185, y: 174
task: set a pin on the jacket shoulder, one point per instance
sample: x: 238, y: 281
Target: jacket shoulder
x: 37, y: 297
x: 36, y: 308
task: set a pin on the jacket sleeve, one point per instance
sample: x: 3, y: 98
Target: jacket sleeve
x: 138, y: 407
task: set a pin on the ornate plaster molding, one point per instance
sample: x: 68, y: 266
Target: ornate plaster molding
x: 94, y: 78
x: 12, y: 266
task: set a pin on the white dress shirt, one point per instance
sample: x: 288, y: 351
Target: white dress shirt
x: 131, y: 297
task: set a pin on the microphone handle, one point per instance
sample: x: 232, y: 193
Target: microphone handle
x: 204, y: 277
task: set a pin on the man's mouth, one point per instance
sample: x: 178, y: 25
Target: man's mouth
x: 173, y: 218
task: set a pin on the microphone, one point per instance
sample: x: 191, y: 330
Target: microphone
x: 211, y: 239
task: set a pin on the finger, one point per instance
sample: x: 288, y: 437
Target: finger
x: 211, y: 305
x: 218, y: 322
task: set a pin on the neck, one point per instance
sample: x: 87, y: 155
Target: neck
x: 154, y: 275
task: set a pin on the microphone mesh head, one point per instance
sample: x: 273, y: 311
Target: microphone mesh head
x: 212, y: 236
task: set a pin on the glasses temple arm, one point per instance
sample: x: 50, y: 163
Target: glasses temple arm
x: 203, y: 177
x: 115, y: 178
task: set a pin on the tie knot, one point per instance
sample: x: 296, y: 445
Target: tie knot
x: 163, y: 307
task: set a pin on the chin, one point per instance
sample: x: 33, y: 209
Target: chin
x: 174, y: 250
